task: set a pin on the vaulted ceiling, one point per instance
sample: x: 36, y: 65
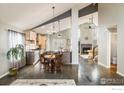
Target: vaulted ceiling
x: 28, y: 15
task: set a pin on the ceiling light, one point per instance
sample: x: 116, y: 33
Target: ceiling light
x: 53, y: 27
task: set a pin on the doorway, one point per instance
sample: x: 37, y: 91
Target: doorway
x: 113, y: 49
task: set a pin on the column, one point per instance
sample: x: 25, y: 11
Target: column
x: 74, y: 35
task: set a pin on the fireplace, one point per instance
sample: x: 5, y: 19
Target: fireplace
x: 85, y: 48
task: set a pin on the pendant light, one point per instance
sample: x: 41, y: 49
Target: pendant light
x: 92, y: 25
x: 59, y: 35
x: 53, y: 27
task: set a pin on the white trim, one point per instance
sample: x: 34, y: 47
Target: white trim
x: 120, y: 73
x: 103, y: 65
x: 109, y: 49
x: 4, y: 74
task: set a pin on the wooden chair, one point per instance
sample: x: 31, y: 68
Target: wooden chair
x: 58, y: 62
x: 43, y: 62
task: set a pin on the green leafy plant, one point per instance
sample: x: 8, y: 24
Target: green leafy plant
x: 16, y: 52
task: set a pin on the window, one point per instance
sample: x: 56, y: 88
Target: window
x: 15, y: 38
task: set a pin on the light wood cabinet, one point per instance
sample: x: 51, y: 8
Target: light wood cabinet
x: 30, y: 35
x: 27, y: 36
x: 30, y: 38
x: 41, y: 42
x: 36, y: 40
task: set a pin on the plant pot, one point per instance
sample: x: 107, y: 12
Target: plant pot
x: 13, y: 71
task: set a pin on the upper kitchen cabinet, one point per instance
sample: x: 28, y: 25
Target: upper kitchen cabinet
x: 30, y: 35
x: 41, y: 41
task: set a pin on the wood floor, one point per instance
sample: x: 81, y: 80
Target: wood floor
x: 86, y: 73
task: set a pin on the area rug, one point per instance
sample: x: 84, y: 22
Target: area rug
x: 44, y: 82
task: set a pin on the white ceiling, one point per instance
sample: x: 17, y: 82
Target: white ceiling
x: 25, y: 16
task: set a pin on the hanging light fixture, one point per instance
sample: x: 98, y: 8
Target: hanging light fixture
x: 91, y: 24
x: 53, y: 27
x: 59, y: 35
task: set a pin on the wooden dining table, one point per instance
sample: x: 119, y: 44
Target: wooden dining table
x: 52, y: 60
x: 50, y: 56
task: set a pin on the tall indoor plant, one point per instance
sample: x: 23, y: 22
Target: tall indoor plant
x: 17, y: 53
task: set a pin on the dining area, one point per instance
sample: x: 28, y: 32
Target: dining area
x: 51, y: 61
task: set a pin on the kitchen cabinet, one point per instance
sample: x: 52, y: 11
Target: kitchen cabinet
x: 32, y: 57
x: 41, y: 41
x: 66, y: 57
x: 30, y: 38
x: 30, y: 35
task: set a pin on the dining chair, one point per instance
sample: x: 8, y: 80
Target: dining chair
x: 58, y: 62
x: 43, y: 62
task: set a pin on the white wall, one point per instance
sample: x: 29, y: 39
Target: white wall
x: 54, y: 38
x: 85, y: 32
x: 103, y: 46
x: 4, y: 64
x: 109, y: 15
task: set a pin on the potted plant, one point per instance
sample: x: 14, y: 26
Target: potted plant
x: 15, y: 53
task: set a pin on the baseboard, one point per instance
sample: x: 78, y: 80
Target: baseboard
x: 120, y: 73
x: 103, y: 65
x: 4, y: 75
